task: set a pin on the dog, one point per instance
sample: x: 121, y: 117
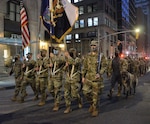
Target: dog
x: 129, y: 82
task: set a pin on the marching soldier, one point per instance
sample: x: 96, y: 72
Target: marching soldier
x: 28, y: 77
x: 42, y: 66
x: 71, y: 87
x: 94, y: 66
x: 116, y: 67
x: 57, y: 62
x: 17, y: 70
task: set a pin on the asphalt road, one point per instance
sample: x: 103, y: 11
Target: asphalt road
x: 134, y: 110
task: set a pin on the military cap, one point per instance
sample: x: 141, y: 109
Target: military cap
x: 17, y: 55
x: 29, y: 53
x: 72, y: 50
x: 43, y: 50
x: 94, y: 42
x: 57, y: 48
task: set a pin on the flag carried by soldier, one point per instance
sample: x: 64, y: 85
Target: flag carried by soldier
x: 24, y: 27
x: 58, y: 17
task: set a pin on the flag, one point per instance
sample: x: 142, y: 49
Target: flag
x: 45, y: 15
x: 24, y: 28
x: 58, y: 17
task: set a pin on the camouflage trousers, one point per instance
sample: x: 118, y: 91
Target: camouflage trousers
x: 41, y: 85
x: 54, y: 87
x: 25, y: 82
x: 71, y: 90
x: 91, y: 91
x: 17, y: 85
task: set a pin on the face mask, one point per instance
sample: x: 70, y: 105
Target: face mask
x: 93, y: 49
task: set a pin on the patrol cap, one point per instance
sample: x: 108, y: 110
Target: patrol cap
x: 17, y: 55
x: 72, y: 50
x: 43, y: 50
x: 57, y: 48
x: 94, y: 42
x: 29, y: 53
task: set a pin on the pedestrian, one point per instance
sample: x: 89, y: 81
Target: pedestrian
x: 94, y: 66
x: 42, y: 66
x: 17, y: 70
x: 72, y: 82
x: 28, y: 77
x: 57, y: 62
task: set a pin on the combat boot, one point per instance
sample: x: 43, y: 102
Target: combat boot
x: 80, y: 104
x: 41, y: 103
x: 119, y: 92
x: 110, y: 93
x: 14, y: 98
x: 90, y: 109
x: 95, y: 111
x: 21, y: 100
x: 56, y: 107
x: 68, y: 110
x: 35, y: 98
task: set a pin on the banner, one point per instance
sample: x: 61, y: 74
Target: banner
x: 58, y: 17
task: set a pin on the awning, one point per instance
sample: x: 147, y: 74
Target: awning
x: 11, y: 41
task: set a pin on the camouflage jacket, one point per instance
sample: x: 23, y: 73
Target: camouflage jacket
x: 42, y: 65
x: 58, y: 63
x: 90, y: 65
x: 17, y: 68
x: 29, y: 68
x: 74, y: 67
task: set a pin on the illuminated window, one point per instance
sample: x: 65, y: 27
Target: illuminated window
x: 95, y: 21
x: 81, y: 23
x: 90, y: 22
x: 77, y: 24
x: 81, y: 10
x: 75, y: 1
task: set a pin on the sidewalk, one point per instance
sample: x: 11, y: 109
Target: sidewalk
x: 6, y: 82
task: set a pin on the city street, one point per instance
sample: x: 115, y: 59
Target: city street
x: 134, y: 110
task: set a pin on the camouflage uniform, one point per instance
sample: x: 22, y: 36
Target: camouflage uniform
x: 71, y: 87
x: 28, y: 77
x: 56, y: 75
x: 42, y: 76
x: 17, y: 70
x: 92, y: 78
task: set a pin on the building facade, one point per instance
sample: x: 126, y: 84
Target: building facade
x: 145, y: 6
x: 126, y: 12
x: 97, y: 19
x: 10, y: 31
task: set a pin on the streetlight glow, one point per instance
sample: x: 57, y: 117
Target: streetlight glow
x: 137, y: 30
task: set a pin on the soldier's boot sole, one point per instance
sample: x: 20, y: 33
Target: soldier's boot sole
x: 35, y: 98
x: 68, y: 110
x: 80, y: 105
x: 41, y: 103
x: 14, y: 99
x: 90, y: 109
x: 94, y: 113
x: 56, y: 108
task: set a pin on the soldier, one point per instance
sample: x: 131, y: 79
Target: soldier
x: 28, y: 77
x: 71, y: 87
x: 42, y: 66
x: 117, y: 66
x: 57, y: 62
x: 94, y: 65
x: 17, y: 70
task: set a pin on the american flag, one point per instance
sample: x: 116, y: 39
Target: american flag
x: 24, y: 28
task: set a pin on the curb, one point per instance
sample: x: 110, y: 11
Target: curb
x: 7, y: 88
